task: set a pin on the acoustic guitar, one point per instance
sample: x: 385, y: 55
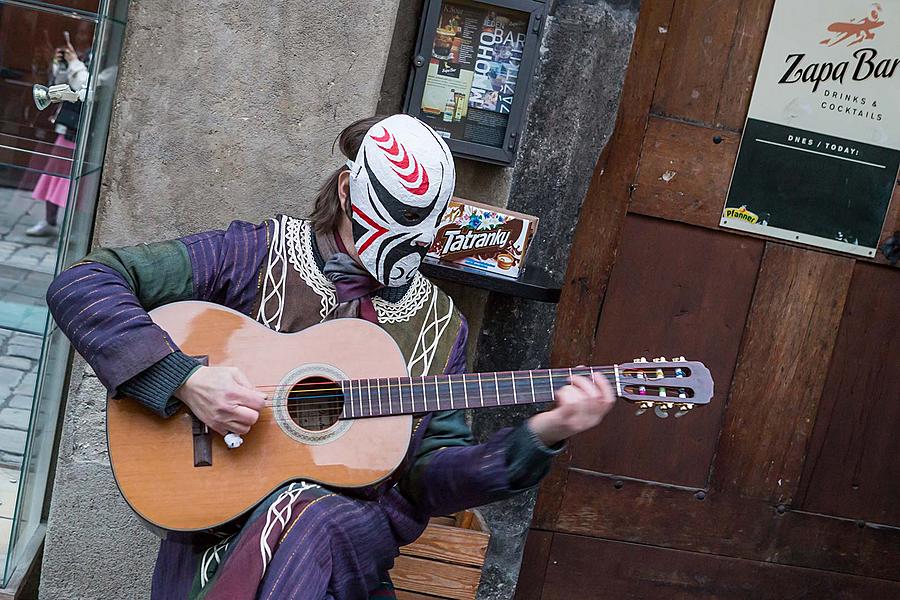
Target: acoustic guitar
x: 339, y: 412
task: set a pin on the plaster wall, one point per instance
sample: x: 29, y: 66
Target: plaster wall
x: 224, y: 110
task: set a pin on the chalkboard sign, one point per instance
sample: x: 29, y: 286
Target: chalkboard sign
x: 820, y: 151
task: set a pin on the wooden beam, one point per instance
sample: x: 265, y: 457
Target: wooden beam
x: 684, y: 173
x: 726, y: 525
x: 581, y: 567
x: 695, y: 60
x: 781, y: 372
x: 743, y: 62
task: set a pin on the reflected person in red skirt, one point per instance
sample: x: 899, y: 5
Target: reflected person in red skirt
x: 68, y: 68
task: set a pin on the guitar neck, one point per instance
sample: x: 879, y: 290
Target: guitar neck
x: 409, y: 395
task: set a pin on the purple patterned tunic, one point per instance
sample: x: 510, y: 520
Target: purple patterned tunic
x: 304, y: 541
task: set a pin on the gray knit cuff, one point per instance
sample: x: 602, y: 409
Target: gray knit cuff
x: 154, y: 386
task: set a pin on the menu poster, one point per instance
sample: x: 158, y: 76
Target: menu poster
x: 820, y: 150
x: 473, y: 70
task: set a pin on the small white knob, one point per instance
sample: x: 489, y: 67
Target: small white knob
x: 233, y: 440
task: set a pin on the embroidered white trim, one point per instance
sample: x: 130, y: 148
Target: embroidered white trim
x: 434, y: 325
x: 279, y: 515
x: 299, y: 239
x: 212, y: 553
x: 411, y: 303
x: 272, y: 287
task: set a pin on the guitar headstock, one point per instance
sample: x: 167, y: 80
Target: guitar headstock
x: 664, y: 385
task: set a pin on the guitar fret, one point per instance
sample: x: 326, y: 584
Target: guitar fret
x: 497, y: 387
x: 360, y: 394
x: 450, y: 387
x: 352, y: 408
x: 424, y: 395
x: 531, y: 379
x: 400, y: 389
x: 346, y: 413
x: 480, y: 390
x: 465, y: 390
x: 390, y: 400
x: 369, y: 393
x: 512, y: 379
x: 437, y: 394
x: 380, y: 410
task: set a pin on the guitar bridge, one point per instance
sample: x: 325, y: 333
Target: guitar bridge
x: 201, y: 434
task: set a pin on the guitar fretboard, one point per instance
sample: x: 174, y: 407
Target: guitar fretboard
x: 409, y: 395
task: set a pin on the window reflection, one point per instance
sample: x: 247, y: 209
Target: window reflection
x: 36, y: 152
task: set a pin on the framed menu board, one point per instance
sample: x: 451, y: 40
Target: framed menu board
x: 820, y: 151
x: 471, y: 73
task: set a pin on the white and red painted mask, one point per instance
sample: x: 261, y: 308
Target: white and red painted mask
x: 400, y: 183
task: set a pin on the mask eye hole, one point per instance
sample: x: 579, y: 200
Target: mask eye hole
x: 410, y: 214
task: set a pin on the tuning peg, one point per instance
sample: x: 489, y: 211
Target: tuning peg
x: 640, y: 360
x: 679, y: 359
x: 683, y: 409
x: 642, y: 408
x: 660, y: 374
x: 660, y: 412
x: 660, y: 359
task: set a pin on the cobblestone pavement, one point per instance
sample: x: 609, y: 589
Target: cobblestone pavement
x: 26, y: 267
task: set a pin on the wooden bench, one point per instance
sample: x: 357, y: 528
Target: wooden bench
x: 445, y: 562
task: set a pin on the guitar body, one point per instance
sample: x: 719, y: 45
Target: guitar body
x: 160, y: 464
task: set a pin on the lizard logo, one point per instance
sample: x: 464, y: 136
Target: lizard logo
x: 857, y: 30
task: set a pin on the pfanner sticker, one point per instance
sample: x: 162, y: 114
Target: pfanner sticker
x: 741, y: 213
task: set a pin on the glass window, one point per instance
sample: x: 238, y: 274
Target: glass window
x: 50, y: 172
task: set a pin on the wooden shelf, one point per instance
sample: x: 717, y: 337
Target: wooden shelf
x: 534, y: 284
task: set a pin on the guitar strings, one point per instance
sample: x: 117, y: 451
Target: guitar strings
x: 341, y: 399
x: 411, y: 381
x: 318, y: 407
x: 413, y: 384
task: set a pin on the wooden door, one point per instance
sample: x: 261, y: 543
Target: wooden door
x: 787, y: 485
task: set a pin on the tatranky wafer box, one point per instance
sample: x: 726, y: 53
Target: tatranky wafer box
x: 484, y: 237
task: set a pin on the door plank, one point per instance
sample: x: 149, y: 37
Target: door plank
x: 599, y: 225
x: 586, y: 568
x: 781, y: 372
x: 684, y: 173
x: 852, y: 468
x: 743, y: 62
x: 694, y: 62
x: 726, y: 525
x: 675, y: 290
x: 534, y: 564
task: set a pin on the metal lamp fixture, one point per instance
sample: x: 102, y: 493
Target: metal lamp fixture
x: 45, y: 96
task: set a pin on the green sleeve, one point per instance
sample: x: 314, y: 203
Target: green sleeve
x: 158, y: 274
x: 445, y: 429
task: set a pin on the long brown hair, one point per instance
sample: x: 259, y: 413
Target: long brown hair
x: 326, y: 213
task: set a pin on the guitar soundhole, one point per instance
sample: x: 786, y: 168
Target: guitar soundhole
x: 315, y: 403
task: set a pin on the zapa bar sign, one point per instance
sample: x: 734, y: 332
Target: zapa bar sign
x: 820, y: 150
